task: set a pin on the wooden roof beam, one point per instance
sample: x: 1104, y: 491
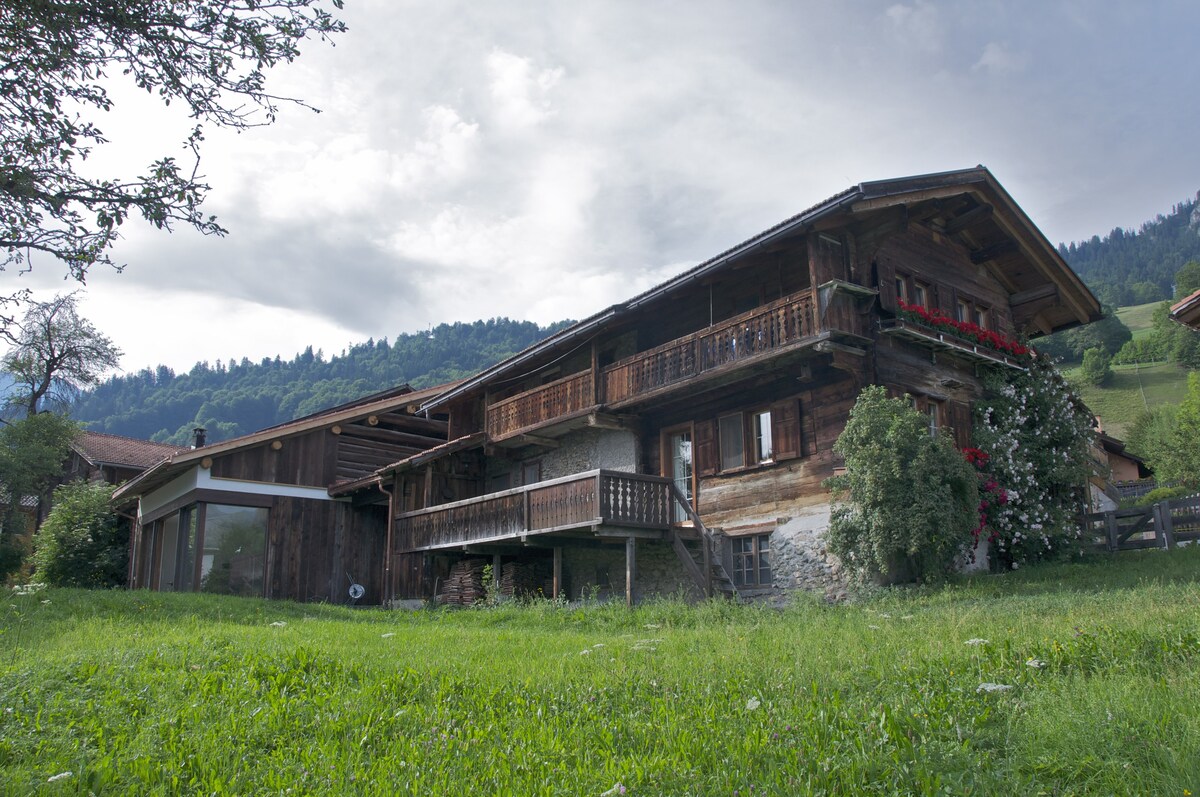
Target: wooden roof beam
x: 989, y: 253
x: 420, y: 441
x: 972, y: 216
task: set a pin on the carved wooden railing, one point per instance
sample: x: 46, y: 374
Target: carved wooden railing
x: 592, y: 498
x: 765, y: 329
x: 544, y: 403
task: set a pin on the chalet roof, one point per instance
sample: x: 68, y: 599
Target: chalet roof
x: 401, y: 397
x: 1081, y: 306
x: 408, y: 463
x: 1187, y: 310
x: 99, y: 449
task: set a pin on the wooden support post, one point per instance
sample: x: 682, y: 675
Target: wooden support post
x: 1110, y: 524
x: 496, y: 575
x: 630, y: 567
x: 556, y: 589
x: 708, y: 564
x: 1168, y: 524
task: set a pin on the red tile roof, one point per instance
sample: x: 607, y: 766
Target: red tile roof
x: 110, y: 449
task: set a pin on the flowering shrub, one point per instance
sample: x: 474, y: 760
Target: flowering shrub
x: 1032, y: 437
x: 907, y: 500
x: 82, y: 544
x: 963, y: 329
x: 991, y: 494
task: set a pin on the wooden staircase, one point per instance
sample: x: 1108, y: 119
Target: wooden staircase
x: 696, y: 548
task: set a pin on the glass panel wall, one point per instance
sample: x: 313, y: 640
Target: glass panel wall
x: 235, y: 544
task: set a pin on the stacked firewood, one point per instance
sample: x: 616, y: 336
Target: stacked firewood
x: 464, y: 586
x: 523, y: 579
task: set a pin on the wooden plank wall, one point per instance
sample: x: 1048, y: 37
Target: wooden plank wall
x: 307, y: 460
x: 313, y: 546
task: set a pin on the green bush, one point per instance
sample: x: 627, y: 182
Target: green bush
x: 1163, y: 494
x: 910, y: 499
x: 82, y: 543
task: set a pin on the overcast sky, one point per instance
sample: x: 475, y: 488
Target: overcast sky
x: 544, y: 160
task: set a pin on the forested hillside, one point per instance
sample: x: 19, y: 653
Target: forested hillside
x: 235, y: 398
x: 1128, y: 267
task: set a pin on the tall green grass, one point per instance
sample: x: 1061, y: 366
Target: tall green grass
x: 1095, y: 667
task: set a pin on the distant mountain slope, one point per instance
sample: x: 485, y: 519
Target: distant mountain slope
x: 235, y: 398
x: 1129, y: 267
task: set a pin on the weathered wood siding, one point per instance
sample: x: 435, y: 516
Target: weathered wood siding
x: 308, y: 460
x: 316, y: 548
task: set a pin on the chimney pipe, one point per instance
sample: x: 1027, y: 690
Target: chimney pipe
x: 198, y: 436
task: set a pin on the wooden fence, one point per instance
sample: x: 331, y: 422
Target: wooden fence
x: 1161, y: 525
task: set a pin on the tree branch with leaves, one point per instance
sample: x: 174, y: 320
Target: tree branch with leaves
x: 56, y: 60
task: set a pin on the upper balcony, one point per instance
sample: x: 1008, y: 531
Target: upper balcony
x: 787, y: 324
x: 582, y: 501
x: 765, y: 331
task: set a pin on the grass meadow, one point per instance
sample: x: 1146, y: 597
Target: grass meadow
x: 1132, y: 390
x: 1060, y: 679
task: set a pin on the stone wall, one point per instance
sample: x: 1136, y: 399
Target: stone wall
x: 601, y: 572
x: 589, y: 449
x: 799, y: 560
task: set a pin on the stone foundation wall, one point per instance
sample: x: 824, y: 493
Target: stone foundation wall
x: 601, y: 572
x: 589, y: 449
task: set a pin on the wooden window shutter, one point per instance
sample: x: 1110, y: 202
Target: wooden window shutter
x: 785, y: 425
x: 960, y: 419
x: 706, y: 447
x: 887, y: 286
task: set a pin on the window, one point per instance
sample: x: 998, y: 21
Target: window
x: 732, y: 441
x: 764, y: 449
x: 234, y: 555
x: 920, y: 295
x: 902, y: 289
x: 531, y: 471
x: 679, y: 460
x: 211, y: 548
x: 932, y: 410
x: 981, y: 318
x: 752, y: 560
x: 962, y: 311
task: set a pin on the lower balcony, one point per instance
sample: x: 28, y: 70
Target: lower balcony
x: 581, y: 502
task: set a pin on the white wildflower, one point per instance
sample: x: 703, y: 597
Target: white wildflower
x: 598, y: 645
x: 873, y: 627
x: 388, y: 635
x: 752, y: 704
x: 614, y: 791
x: 1035, y: 663
x: 585, y: 652
x: 991, y: 687
x: 976, y: 641
x: 278, y: 624
x: 60, y: 776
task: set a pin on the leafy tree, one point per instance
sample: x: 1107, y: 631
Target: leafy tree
x: 82, y: 543
x: 57, y: 55
x: 1187, y: 279
x: 1180, y: 461
x: 32, y: 452
x: 910, y: 498
x: 1108, y: 334
x: 1151, y: 435
x: 1096, y: 369
x: 56, y: 353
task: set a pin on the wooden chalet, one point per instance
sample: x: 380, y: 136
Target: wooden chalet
x: 254, y: 515
x: 679, y: 440
x: 1187, y: 310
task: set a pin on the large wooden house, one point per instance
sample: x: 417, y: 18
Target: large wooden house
x: 678, y: 441
x: 254, y: 515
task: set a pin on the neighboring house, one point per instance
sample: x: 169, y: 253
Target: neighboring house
x: 1116, y: 473
x: 678, y: 441
x: 110, y: 458
x: 1187, y: 310
x: 254, y: 515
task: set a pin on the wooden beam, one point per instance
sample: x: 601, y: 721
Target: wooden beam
x: 421, y: 441
x: 413, y: 422
x: 630, y: 568
x: 1033, y: 294
x: 989, y: 253
x: 557, y: 584
x: 973, y: 216
x: 906, y: 198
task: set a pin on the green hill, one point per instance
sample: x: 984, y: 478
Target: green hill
x: 1138, y: 318
x: 1132, y: 390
